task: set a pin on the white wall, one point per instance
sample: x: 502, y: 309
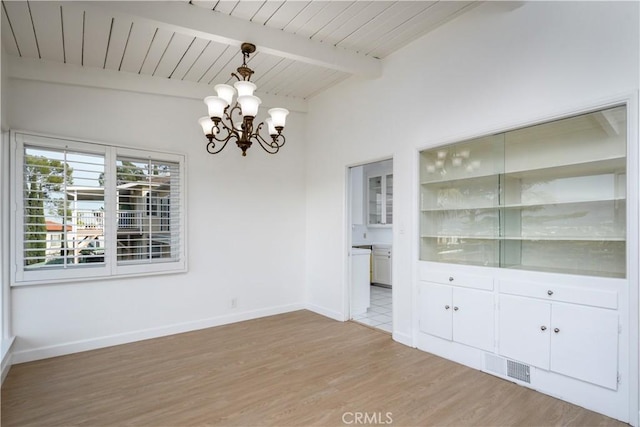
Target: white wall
x: 246, y: 225
x: 5, y: 329
x: 491, y: 69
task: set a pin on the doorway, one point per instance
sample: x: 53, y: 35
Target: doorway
x: 370, y: 221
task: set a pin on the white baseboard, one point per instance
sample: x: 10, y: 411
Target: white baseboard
x: 6, y: 356
x: 332, y: 314
x: 405, y: 339
x: 128, y: 337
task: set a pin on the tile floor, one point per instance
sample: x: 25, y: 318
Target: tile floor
x: 379, y: 313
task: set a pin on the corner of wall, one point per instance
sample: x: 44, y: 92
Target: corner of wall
x: 6, y: 356
x: 6, y: 341
x: 405, y: 339
x: 323, y: 311
x: 4, y: 125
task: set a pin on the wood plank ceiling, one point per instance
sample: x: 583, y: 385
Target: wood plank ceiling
x: 101, y: 35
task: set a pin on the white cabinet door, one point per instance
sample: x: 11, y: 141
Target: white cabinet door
x: 388, y: 207
x: 382, y: 267
x: 524, y: 328
x: 473, y: 318
x: 584, y: 343
x: 458, y: 314
x: 360, y: 285
x: 380, y: 199
x: 375, y: 200
x: 435, y: 310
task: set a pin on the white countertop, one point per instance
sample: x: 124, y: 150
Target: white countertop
x: 360, y: 251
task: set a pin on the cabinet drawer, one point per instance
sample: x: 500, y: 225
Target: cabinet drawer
x: 551, y: 292
x: 456, y: 279
x: 381, y: 252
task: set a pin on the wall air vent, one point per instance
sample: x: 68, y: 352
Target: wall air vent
x: 519, y: 371
x: 507, y: 368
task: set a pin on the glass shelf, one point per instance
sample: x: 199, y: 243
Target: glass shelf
x: 462, y: 194
x: 467, y: 222
x: 462, y: 250
x: 567, y: 270
x: 569, y: 169
x: 527, y: 238
x: 524, y: 206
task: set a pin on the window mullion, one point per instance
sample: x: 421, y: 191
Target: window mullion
x: 150, y: 213
x: 65, y: 233
x: 110, y: 210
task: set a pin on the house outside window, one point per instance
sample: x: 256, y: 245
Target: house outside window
x: 93, y: 210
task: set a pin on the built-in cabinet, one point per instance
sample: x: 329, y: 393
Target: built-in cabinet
x: 567, y: 334
x: 523, y: 257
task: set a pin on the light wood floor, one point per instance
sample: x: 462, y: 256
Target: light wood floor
x: 295, y: 369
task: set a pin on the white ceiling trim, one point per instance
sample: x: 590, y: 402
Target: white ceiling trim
x: 197, y: 22
x: 56, y: 72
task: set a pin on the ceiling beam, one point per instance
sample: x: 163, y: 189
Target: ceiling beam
x: 187, y: 19
x: 57, y: 72
x: 607, y: 122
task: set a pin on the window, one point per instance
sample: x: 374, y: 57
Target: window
x: 92, y: 210
x: 144, y: 209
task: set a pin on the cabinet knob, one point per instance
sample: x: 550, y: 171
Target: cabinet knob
x: 446, y: 307
x: 451, y: 278
x: 549, y: 292
x: 455, y: 308
x: 556, y: 330
x: 543, y: 328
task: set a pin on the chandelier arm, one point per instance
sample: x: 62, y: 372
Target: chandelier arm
x: 236, y: 108
x: 228, y: 115
x: 256, y: 135
x: 260, y: 139
x: 228, y: 137
x: 231, y: 129
x: 230, y: 133
x: 275, y: 140
x: 211, y: 146
x: 270, y: 147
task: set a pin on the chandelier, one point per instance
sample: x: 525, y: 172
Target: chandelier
x: 226, y: 122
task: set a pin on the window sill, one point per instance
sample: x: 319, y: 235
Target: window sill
x: 69, y: 280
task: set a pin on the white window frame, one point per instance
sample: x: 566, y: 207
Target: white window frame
x: 110, y: 268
